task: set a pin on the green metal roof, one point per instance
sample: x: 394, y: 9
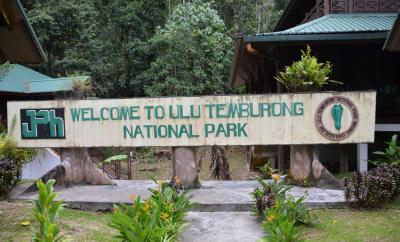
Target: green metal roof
x: 334, y: 27
x: 19, y: 79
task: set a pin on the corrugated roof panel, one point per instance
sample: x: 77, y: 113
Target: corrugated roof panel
x: 343, y: 23
x: 15, y: 79
x: 20, y: 79
x: 55, y: 84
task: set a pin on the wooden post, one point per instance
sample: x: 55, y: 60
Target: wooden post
x: 281, y: 158
x: 279, y: 89
x: 130, y: 157
x: 344, y: 159
x: 327, y: 7
x: 116, y: 170
x: 273, y: 163
x: 350, y: 8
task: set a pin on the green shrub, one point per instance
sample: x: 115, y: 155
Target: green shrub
x: 391, y: 154
x: 280, y: 228
x: 391, y: 157
x: 281, y: 219
x: 46, y: 211
x: 396, y: 174
x: 159, y: 218
x: 8, y: 149
x: 265, y: 197
x: 280, y: 212
x: 372, y: 188
x: 12, y: 159
x: 9, y: 173
x: 307, y: 74
x: 381, y: 184
x: 266, y: 170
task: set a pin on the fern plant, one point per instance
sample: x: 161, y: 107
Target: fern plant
x: 391, y: 154
x: 307, y: 74
x: 46, y: 210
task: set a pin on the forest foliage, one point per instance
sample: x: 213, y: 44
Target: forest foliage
x: 135, y: 48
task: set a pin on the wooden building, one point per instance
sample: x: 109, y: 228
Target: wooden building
x: 393, y: 41
x: 18, y: 42
x: 351, y: 35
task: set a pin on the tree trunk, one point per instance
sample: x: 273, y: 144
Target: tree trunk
x: 76, y: 168
x: 185, y: 167
x: 306, y: 169
x: 219, y: 167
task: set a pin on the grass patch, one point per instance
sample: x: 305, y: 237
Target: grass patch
x: 343, y: 175
x: 75, y: 225
x: 334, y: 224
x: 26, y: 181
x: 356, y: 225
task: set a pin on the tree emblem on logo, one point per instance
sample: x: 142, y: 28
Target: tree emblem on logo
x: 337, y: 113
x: 42, y: 123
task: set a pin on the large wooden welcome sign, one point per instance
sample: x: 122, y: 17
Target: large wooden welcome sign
x: 310, y: 118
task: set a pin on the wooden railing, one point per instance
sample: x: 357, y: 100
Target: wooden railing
x: 316, y: 12
x: 116, y: 169
x: 323, y: 7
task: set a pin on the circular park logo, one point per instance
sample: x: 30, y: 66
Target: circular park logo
x: 336, y: 118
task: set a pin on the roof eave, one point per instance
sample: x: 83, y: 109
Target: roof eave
x: 392, y: 43
x: 20, y: 40
x: 50, y: 93
x: 289, y: 39
x: 33, y: 36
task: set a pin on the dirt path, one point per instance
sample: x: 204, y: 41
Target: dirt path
x: 146, y: 169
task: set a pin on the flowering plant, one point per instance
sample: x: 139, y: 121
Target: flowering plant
x: 280, y: 212
x: 158, y: 218
x: 269, y: 192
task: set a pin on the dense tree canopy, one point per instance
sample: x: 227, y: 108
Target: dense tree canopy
x: 126, y: 46
x: 193, y: 53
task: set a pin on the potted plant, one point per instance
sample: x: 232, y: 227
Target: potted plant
x: 306, y: 75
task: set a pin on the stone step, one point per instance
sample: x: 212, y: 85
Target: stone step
x: 213, y: 196
x: 222, y: 227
